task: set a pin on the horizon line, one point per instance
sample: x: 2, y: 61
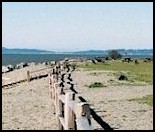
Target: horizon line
x: 59, y: 50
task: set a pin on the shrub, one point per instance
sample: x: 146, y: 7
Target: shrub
x: 122, y: 77
x: 136, y: 62
x: 96, y: 84
x: 114, y: 54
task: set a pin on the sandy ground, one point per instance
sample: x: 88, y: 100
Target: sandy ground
x: 19, y: 74
x: 112, y: 104
x: 28, y: 106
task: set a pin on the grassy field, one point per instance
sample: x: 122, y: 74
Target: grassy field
x: 142, y: 72
x: 145, y: 100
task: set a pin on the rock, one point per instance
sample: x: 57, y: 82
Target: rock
x: 21, y: 65
x: 148, y: 59
x: 127, y: 59
x: 107, y: 58
x: 89, y: 61
x: 5, y: 69
x: 33, y: 64
x: 66, y: 59
x: 136, y: 62
x: 10, y: 67
x: 49, y: 63
x: 72, y: 60
x: 81, y: 60
x: 52, y: 62
x: 45, y: 63
x: 61, y: 62
x: 100, y: 59
x: 28, y: 64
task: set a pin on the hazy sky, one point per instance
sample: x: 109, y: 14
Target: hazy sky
x: 77, y: 26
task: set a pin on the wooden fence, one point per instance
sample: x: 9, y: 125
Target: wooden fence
x: 72, y: 110
x: 37, y: 73
x: 70, y: 113
x: 31, y: 75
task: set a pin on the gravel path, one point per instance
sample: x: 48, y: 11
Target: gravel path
x: 112, y: 104
x: 28, y: 107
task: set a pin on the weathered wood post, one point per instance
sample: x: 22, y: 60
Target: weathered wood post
x: 57, y: 73
x: 50, y: 84
x: 83, y: 116
x: 61, y: 66
x: 54, y: 96
x: 60, y: 108
x: 28, y: 76
x: 69, y: 115
x: 53, y: 71
x: 53, y: 86
x: 64, y: 65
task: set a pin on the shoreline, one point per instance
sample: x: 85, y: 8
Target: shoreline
x: 14, y: 59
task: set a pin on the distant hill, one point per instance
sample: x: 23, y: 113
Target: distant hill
x: 87, y: 52
x: 121, y: 51
x: 25, y: 51
x: 136, y: 52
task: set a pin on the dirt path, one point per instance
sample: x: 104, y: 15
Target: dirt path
x: 28, y: 107
x: 112, y: 104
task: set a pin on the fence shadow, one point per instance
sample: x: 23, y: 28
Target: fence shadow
x: 97, y: 118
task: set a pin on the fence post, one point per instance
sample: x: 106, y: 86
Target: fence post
x: 61, y: 67
x: 50, y: 84
x: 83, y: 110
x: 28, y: 76
x: 53, y: 89
x: 60, y: 108
x: 55, y: 86
x: 69, y: 116
x: 57, y: 73
x: 53, y: 70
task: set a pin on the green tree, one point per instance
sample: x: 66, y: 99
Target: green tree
x: 114, y: 54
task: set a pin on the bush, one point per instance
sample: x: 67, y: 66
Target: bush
x: 114, y: 54
x: 96, y: 84
x: 136, y: 62
x: 122, y: 77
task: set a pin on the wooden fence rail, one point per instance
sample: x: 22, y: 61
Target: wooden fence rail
x: 37, y: 73
x: 49, y: 67
x: 70, y: 114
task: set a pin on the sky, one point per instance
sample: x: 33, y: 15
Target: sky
x: 75, y: 26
